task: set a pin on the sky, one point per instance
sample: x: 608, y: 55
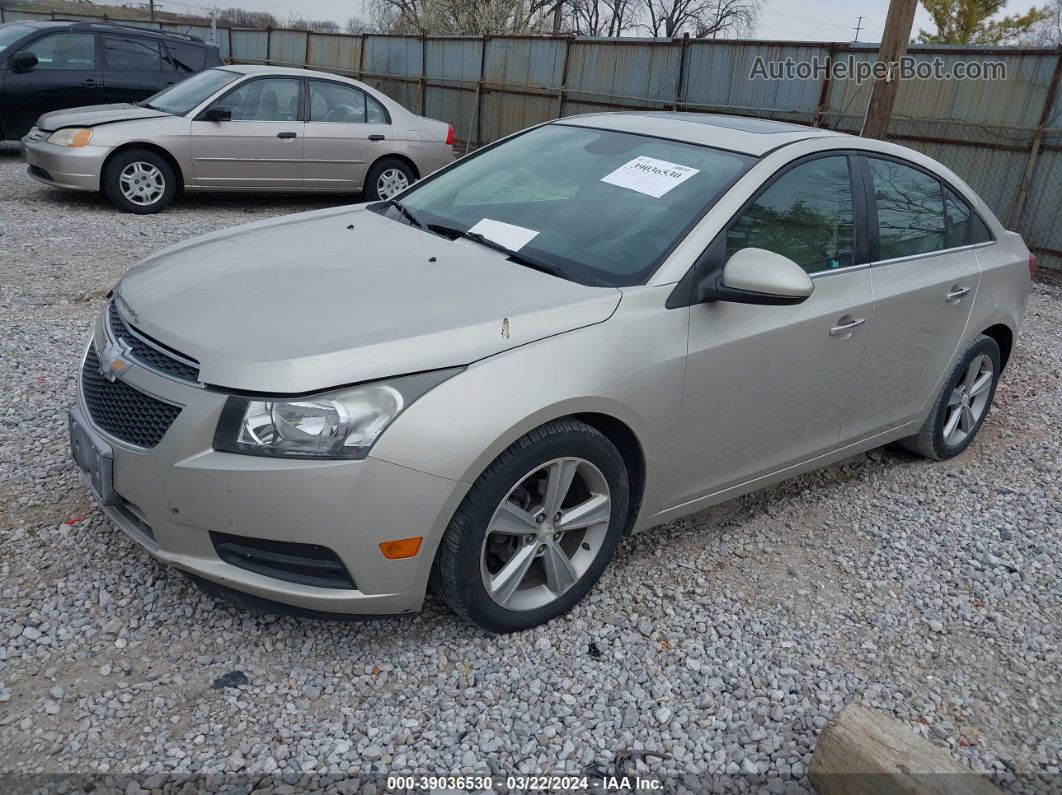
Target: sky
x: 817, y: 20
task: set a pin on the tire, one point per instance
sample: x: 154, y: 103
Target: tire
x: 934, y: 440
x: 502, y: 496
x: 157, y: 183
x: 384, y: 179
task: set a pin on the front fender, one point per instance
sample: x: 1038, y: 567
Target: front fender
x: 631, y: 368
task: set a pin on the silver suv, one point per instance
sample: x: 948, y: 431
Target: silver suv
x: 587, y: 329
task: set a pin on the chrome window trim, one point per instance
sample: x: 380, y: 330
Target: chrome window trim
x: 847, y: 269
x: 155, y: 371
x: 937, y: 253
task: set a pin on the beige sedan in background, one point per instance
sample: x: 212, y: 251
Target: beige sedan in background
x: 240, y: 128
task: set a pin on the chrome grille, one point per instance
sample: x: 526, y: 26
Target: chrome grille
x: 122, y: 411
x: 152, y: 355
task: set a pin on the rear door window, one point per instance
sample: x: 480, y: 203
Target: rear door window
x: 131, y: 54
x: 910, y: 206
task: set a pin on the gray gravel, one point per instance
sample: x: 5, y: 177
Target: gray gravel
x: 722, y: 642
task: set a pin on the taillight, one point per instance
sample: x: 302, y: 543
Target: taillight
x: 1033, y: 265
x: 449, y: 135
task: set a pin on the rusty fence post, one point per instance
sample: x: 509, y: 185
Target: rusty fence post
x: 824, y: 94
x: 680, y: 84
x: 422, y: 86
x: 564, y: 78
x: 1022, y: 198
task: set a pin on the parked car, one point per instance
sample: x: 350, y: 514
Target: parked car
x: 48, y: 66
x: 240, y: 128
x: 587, y: 329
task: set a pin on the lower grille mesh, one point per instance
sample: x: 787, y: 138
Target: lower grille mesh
x: 122, y: 411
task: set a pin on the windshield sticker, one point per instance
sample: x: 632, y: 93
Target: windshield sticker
x: 649, y: 176
x: 512, y: 237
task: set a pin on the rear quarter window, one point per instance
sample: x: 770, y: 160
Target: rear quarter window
x: 186, y: 58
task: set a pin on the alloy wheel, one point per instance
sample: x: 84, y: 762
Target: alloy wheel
x: 142, y: 183
x: 545, y: 534
x: 969, y: 400
x: 391, y: 182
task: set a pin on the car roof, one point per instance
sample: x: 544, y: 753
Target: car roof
x: 743, y: 134
x: 105, y: 26
x: 259, y: 69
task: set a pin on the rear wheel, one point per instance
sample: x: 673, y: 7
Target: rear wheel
x: 139, y: 181
x: 388, y: 178
x: 536, y: 530
x: 962, y: 405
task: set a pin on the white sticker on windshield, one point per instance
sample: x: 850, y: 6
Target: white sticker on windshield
x: 650, y: 176
x: 512, y: 237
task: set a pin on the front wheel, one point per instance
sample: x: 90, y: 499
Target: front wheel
x: 388, y: 178
x: 139, y: 181
x: 962, y: 404
x: 536, y: 530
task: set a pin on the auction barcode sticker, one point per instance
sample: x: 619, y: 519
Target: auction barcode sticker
x: 649, y: 176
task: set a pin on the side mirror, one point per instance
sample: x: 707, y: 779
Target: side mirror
x: 757, y: 276
x: 216, y: 113
x: 23, y: 61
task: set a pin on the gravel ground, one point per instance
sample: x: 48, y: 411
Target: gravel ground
x: 722, y: 642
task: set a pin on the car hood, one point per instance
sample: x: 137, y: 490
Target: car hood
x: 338, y: 296
x: 94, y: 115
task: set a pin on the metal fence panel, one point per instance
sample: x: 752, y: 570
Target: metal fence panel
x: 717, y: 77
x: 249, y: 46
x: 288, y: 47
x: 333, y: 53
x: 629, y: 73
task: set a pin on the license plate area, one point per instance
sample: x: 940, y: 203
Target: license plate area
x: 94, y: 458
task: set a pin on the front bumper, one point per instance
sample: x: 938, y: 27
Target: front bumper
x: 64, y: 166
x: 175, y: 494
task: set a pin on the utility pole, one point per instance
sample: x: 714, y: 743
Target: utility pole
x: 893, y: 47
x: 859, y: 27
x: 214, y: 26
x: 151, y: 6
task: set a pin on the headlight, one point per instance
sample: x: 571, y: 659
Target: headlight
x: 73, y: 137
x: 342, y: 424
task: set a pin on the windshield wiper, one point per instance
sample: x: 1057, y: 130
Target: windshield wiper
x: 483, y: 240
x: 405, y: 212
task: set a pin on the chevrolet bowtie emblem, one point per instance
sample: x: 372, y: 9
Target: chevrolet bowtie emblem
x: 113, y: 361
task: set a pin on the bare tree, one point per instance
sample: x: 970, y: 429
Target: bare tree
x: 599, y: 17
x: 699, y: 18
x: 1047, y: 32
x: 239, y: 18
x: 453, y: 17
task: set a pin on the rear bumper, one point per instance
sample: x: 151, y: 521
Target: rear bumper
x: 64, y: 166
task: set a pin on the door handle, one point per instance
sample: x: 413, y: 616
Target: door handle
x: 846, y: 326
x: 955, y: 294
x: 376, y: 137
x: 88, y: 81
x: 287, y: 135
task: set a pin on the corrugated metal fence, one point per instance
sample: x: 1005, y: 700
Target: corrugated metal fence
x: 1004, y: 137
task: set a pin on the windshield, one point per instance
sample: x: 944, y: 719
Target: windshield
x: 597, y: 206
x: 9, y: 34
x: 190, y: 93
